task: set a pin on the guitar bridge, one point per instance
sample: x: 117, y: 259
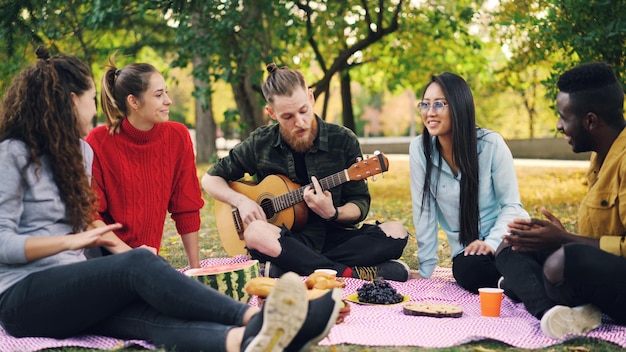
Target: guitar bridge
x: 238, y: 223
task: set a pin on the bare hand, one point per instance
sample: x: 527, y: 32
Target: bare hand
x: 91, y: 238
x: 321, y: 202
x: 553, y: 219
x: 249, y: 211
x: 478, y: 247
x: 528, y: 224
x: 535, y: 234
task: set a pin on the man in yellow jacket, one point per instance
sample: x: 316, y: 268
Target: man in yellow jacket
x: 567, y: 280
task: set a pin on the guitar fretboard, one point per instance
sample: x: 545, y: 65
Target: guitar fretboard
x: 294, y: 197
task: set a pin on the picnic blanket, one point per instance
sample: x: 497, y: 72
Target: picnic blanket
x: 386, y: 325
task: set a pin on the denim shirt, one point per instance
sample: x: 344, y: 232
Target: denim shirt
x: 498, y: 198
x: 265, y: 153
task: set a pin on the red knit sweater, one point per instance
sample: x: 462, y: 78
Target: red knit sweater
x: 139, y: 176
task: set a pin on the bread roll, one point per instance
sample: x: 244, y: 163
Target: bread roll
x: 260, y: 286
x: 437, y: 310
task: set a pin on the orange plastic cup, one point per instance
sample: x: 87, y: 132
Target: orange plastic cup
x: 490, y: 301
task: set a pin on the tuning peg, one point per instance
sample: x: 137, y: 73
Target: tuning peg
x: 358, y: 158
x: 374, y: 178
x: 377, y: 152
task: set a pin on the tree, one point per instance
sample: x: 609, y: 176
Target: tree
x: 574, y: 31
x: 91, y: 30
x: 227, y: 40
x: 434, y: 37
x: 342, y: 31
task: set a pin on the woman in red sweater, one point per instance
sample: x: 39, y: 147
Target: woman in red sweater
x: 144, y: 165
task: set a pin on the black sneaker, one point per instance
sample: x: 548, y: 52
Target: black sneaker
x: 322, y: 316
x: 281, y: 318
x: 272, y: 270
x: 395, y: 270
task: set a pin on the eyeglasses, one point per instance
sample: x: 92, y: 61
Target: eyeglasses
x: 438, y: 107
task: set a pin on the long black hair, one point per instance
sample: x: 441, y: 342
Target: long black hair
x: 464, y: 151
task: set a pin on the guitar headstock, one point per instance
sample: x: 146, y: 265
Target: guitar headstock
x: 363, y: 169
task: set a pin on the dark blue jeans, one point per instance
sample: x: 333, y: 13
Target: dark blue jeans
x: 590, y: 275
x: 133, y: 295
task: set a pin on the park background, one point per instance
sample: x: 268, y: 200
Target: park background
x: 366, y: 62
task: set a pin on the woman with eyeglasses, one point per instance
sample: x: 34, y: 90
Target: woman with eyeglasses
x: 462, y: 180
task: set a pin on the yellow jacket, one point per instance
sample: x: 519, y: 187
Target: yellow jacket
x: 601, y: 214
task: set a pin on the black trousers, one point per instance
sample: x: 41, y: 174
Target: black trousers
x: 475, y: 271
x: 366, y: 246
x: 591, y: 276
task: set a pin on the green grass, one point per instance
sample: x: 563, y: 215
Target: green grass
x: 558, y: 189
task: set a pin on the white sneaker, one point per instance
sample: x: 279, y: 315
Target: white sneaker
x: 559, y: 321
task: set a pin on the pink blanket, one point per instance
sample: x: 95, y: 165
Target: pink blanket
x: 388, y: 326
x: 385, y: 325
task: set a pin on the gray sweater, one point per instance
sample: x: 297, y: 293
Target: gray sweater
x: 30, y: 206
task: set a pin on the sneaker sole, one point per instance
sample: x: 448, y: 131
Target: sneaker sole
x: 332, y: 320
x: 562, y: 320
x: 284, y: 313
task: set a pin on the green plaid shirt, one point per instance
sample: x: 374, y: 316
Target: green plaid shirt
x: 335, y: 149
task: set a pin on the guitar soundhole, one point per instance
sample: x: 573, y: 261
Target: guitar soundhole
x: 268, y: 208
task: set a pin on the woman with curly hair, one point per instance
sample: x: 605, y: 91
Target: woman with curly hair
x: 48, y: 288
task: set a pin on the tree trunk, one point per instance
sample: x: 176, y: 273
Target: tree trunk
x: 346, y: 100
x: 248, y: 104
x: 206, y: 129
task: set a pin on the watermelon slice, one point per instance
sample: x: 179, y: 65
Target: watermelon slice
x: 229, y: 279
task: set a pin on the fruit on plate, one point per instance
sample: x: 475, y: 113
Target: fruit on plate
x: 378, y: 291
x: 437, y: 310
x: 229, y: 279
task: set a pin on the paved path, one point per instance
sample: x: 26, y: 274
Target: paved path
x: 583, y: 164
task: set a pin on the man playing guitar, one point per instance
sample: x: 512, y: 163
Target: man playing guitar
x: 305, y: 149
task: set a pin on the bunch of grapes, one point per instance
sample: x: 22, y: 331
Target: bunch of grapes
x: 378, y: 292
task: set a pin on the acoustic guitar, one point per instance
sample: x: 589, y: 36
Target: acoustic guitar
x: 282, y: 200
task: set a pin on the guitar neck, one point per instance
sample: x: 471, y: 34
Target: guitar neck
x: 296, y: 196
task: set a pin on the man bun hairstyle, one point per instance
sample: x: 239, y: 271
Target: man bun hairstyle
x: 593, y: 88
x: 281, y: 81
